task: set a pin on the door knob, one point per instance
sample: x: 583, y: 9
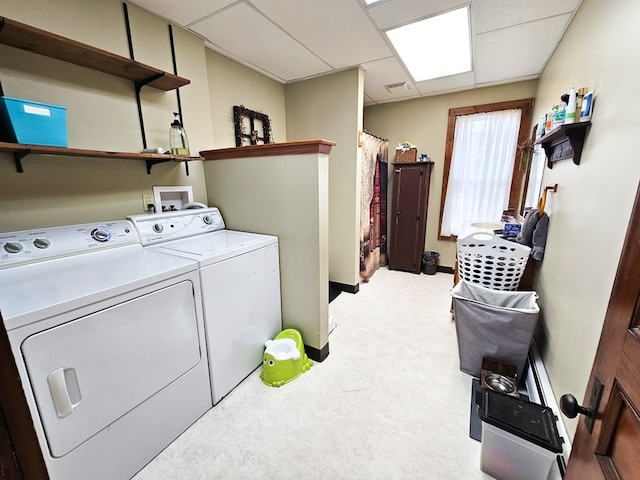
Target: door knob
x: 570, y: 407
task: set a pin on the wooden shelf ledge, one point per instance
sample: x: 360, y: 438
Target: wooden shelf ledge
x: 25, y: 37
x: 564, y: 141
x: 19, y: 151
x: 270, y: 150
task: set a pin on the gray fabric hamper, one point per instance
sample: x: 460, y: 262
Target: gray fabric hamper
x: 493, y: 323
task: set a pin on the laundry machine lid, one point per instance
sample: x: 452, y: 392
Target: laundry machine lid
x: 34, y: 291
x: 217, y: 246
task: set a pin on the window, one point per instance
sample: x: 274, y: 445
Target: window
x: 482, y: 168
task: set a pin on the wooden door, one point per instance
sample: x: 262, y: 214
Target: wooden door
x: 612, y: 449
x: 20, y: 455
x: 409, y: 215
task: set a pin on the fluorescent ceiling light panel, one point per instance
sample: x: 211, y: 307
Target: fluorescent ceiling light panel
x: 435, y: 47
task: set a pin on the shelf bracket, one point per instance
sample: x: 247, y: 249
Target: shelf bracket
x: 151, y: 163
x: 186, y: 168
x: 17, y: 157
x: 147, y: 81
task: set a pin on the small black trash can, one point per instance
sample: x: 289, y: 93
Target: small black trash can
x: 430, y: 262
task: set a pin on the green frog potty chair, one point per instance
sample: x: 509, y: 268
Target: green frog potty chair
x: 284, y: 358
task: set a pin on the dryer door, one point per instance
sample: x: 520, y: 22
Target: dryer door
x: 89, y: 372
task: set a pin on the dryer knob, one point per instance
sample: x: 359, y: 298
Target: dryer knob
x: 13, y: 247
x: 157, y: 228
x: 207, y: 219
x: 42, y: 243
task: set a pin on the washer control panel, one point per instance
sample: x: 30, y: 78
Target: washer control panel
x: 27, y: 246
x: 163, y: 227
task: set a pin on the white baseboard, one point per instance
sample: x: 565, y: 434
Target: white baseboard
x: 540, y: 391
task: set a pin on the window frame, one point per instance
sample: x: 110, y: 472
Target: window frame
x: 517, y: 180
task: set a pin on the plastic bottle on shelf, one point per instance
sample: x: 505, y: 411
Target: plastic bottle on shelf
x: 587, y: 107
x: 559, y: 114
x: 570, y: 116
x: 579, y: 96
x: 549, y: 123
x: 178, y: 138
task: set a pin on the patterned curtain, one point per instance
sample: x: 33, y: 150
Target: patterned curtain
x: 373, y: 206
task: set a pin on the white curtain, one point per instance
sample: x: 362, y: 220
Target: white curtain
x: 481, y: 168
x: 538, y: 159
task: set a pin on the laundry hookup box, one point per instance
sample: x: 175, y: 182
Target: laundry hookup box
x: 32, y: 123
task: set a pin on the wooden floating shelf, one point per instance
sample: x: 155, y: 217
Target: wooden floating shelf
x: 564, y: 141
x: 25, y: 37
x: 20, y: 151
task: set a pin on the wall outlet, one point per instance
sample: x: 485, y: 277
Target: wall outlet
x: 148, y: 203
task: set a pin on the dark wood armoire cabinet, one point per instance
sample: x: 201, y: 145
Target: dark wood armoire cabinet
x: 408, y: 216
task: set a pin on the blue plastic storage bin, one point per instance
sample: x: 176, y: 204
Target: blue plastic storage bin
x: 33, y: 123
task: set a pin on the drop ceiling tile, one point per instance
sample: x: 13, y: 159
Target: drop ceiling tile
x: 182, y: 13
x: 399, y: 12
x: 504, y: 13
x: 241, y: 33
x: 337, y: 31
x: 452, y: 83
x: 518, y: 51
x: 385, y: 72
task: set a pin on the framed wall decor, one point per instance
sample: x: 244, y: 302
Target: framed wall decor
x: 251, y: 128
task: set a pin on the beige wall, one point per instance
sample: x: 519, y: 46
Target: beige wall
x: 423, y: 122
x: 234, y: 84
x: 286, y: 196
x: 101, y: 115
x: 330, y: 107
x: 590, y: 212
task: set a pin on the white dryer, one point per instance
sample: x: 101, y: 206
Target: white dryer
x: 240, y: 279
x: 109, y: 343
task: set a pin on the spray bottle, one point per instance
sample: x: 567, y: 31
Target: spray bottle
x: 178, y: 138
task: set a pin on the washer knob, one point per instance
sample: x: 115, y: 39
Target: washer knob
x: 42, y: 243
x: 158, y: 228
x: 13, y: 247
x: 100, y: 235
x: 207, y: 219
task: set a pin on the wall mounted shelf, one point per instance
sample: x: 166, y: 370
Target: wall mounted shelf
x: 564, y: 141
x: 31, y: 39
x: 25, y: 37
x: 20, y: 151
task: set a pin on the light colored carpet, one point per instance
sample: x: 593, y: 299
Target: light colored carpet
x: 388, y: 403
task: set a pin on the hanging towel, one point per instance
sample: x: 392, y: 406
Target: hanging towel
x: 534, y: 232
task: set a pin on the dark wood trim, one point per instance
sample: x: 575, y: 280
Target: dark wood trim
x: 345, y: 287
x: 317, y: 355
x: 526, y: 105
x: 270, y: 150
x: 442, y: 269
x: 28, y: 462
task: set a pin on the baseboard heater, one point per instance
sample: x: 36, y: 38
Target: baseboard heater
x: 540, y: 391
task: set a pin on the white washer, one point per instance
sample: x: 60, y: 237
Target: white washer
x: 109, y: 343
x: 240, y: 279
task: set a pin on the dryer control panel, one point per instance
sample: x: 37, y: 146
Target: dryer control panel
x: 162, y: 227
x: 28, y: 246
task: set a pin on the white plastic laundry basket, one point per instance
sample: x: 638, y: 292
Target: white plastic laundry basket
x: 491, y: 261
